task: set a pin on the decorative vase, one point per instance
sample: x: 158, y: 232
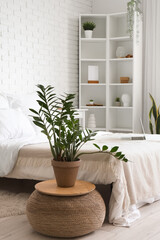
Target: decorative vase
x: 92, y: 121
x: 65, y: 172
x: 126, y: 99
x: 120, y: 52
x: 88, y: 33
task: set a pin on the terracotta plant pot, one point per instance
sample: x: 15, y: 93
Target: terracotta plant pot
x: 65, y: 172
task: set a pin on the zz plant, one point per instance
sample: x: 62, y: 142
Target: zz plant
x: 57, y: 119
x: 154, y: 111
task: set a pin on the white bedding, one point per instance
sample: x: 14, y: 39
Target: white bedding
x: 134, y: 183
x: 9, y: 151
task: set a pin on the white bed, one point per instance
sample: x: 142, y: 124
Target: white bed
x: 134, y: 183
x: 25, y: 155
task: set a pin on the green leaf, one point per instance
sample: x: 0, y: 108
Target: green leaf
x: 114, y: 149
x: 155, y: 110
x: 121, y: 156
x: 34, y: 111
x: 104, y: 148
x: 158, y: 125
x: 96, y: 146
x: 118, y: 154
x: 151, y: 127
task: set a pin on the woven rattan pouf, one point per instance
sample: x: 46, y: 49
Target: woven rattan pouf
x: 65, y: 216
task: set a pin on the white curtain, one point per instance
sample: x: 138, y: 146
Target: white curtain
x: 151, y: 56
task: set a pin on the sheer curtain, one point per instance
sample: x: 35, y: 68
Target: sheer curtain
x: 151, y: 56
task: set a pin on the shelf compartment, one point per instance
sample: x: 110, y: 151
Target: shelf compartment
x: 127, y: 45
x: 90, y: 92
x: 118, y: 25
x: 118, y: 91
x: 100, y: 21
x: 93, y: 50
x: 100, y: 116
x: 101, y: 72
x: 120, y: 69
x: 120, y: 119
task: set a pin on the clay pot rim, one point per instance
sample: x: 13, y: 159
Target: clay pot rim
x: 65, y: 164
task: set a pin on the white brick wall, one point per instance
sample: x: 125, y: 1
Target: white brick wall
x: 39, y: 44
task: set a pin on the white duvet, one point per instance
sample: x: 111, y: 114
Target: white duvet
x: 9, y: 151
x: 134, y: 183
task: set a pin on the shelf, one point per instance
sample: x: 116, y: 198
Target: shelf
x: 121, y: 84
x: 120, y: 39
x: 92, y: 60
x: 120, y: 130
x: 98, y: 129
x: 90, y: 40
x: 120, y: 59
x: 88, y: 107
x: 121, y: 107
x: 93, y: 84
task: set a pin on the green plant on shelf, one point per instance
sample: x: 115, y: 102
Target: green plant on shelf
x: 89, y: 26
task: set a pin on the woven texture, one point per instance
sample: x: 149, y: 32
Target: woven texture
x: 65, y: 216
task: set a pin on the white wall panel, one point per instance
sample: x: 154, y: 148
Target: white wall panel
x: 39, y: 44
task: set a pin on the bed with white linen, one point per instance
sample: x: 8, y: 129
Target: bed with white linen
x: 25, y: 154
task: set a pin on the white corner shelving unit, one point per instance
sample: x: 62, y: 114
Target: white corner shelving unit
x: 100, y: 50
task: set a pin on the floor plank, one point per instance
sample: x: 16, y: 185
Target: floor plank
x: 146, y: 228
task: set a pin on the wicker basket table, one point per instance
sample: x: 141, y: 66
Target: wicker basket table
x: 65, y: 212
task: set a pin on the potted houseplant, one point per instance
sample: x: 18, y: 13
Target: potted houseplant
x: 88, y: 29
x: 91, y: 101
x: 133, y: 7
x: 117, y: 101
x: 57, y: 119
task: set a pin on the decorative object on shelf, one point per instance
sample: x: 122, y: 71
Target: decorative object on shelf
x: 129, y: 56
x: 88, y: 29
x: 57, y: 119
x: 91, y: 102
x: 93, y: 74
x: 94, y: 104
x: 154, y: 111
x: 126, y: 99
x: 117, y: 102
x: 124, y: 79
x: 120, y: 52
x: 133, y: 7
x: 92, y: 121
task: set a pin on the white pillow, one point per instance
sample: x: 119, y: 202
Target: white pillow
x: 4, y: 104
x: 14, y: 124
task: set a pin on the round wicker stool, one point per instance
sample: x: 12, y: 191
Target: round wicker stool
x: 66, y: 216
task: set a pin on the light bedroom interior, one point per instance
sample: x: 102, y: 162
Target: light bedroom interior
x: 79, y: 119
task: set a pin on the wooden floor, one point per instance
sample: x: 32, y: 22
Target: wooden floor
x: 146, y: 228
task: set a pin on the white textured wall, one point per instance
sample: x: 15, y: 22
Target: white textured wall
x: 109, y: 6
x: 39, y: 44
